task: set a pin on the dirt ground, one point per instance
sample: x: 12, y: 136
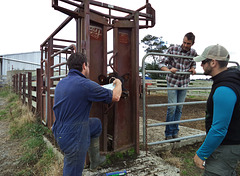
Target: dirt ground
x: 188, y: 112
x: 9, y: 149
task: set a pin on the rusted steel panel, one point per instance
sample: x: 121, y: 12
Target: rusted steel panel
x: 125, y: 115
x: 98, y: 60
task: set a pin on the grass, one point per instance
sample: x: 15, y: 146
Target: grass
x: 183, y: 159
x: 185, y: 155
x: 36, y: 158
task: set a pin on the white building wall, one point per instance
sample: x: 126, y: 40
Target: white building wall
x: 23, y: 61
x: 14, y: 61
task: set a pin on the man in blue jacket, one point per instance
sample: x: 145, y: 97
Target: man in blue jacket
x: 220, y: 152
x: 74, y: 131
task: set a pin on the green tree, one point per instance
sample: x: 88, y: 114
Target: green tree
x: 154, y: 44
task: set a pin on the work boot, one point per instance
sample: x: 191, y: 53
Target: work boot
x: 94, y: 155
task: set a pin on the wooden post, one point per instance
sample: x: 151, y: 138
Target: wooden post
x: 30, y: 90
x: 16, y: 84
x: 20, y: 86
x: 24, y: 89
x: 39, y: 92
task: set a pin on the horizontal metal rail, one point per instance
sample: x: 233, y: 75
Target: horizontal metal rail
x: 168, y: 72
x: 175, y: 122
x: 21, y: 61
x: 63, y: 50
x: 176, y: 139
x: 57, y: 65
x: 57, y: 77
x: 107, y: 6
x: 179, y: 88
x: 175, y: 104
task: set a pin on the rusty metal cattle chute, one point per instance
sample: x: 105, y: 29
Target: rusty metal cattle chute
x: 120, y: 120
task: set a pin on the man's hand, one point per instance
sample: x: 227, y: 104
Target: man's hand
x: 173, y: 70
x: 192, y: 70
x: 198, y: 162
x: 117, y: 82
x: 117, y: 91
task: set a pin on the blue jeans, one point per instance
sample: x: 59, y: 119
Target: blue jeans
x: 74, y: 141
x: 174, y: 112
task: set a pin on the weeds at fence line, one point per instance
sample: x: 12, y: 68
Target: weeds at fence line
x: 36, y: 158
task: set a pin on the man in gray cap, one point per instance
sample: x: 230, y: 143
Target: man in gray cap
x: 220, y: 152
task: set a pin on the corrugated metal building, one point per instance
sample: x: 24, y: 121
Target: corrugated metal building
x: 20, y: 61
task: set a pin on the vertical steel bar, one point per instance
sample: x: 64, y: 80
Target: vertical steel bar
x: 50, y: 62
x: 40, y: 87
x: 78, y: 34
x: 66, y: 67
x: 115, y: 115
x: 86, y: 32
x: 59, y: 58
x: 104, y: 71
x: 135, y: 84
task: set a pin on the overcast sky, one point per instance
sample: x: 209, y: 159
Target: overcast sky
x: 25, y: 24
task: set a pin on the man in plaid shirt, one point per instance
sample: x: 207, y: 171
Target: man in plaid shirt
x: 178, y: 64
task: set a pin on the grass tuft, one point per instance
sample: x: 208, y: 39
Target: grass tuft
x: 36, y: 158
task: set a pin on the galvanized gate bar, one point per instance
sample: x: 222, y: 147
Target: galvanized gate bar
x: 176, y: 139
x: 175, y: 104
x: 174, y: 122
x: 179, y: 88
x: 166, y: 72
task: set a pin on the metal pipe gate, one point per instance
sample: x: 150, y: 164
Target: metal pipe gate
x: 145, y: 106
x: 120, y: 120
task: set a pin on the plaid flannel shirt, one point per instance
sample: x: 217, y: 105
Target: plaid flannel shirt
x: 182, y: 64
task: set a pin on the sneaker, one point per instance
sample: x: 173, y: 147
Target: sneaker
x: 175, y: 136
x: 168, y: 137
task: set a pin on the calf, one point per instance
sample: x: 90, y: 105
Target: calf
x: 110, y: 78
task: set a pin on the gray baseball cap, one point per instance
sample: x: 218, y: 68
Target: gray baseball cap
x: 216, y: 52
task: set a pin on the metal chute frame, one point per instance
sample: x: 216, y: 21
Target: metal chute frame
x: 121, y: 123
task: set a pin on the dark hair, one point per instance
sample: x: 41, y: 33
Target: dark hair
x: 222, y: 63
x: 190, y: 36
x: 76, y: 60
